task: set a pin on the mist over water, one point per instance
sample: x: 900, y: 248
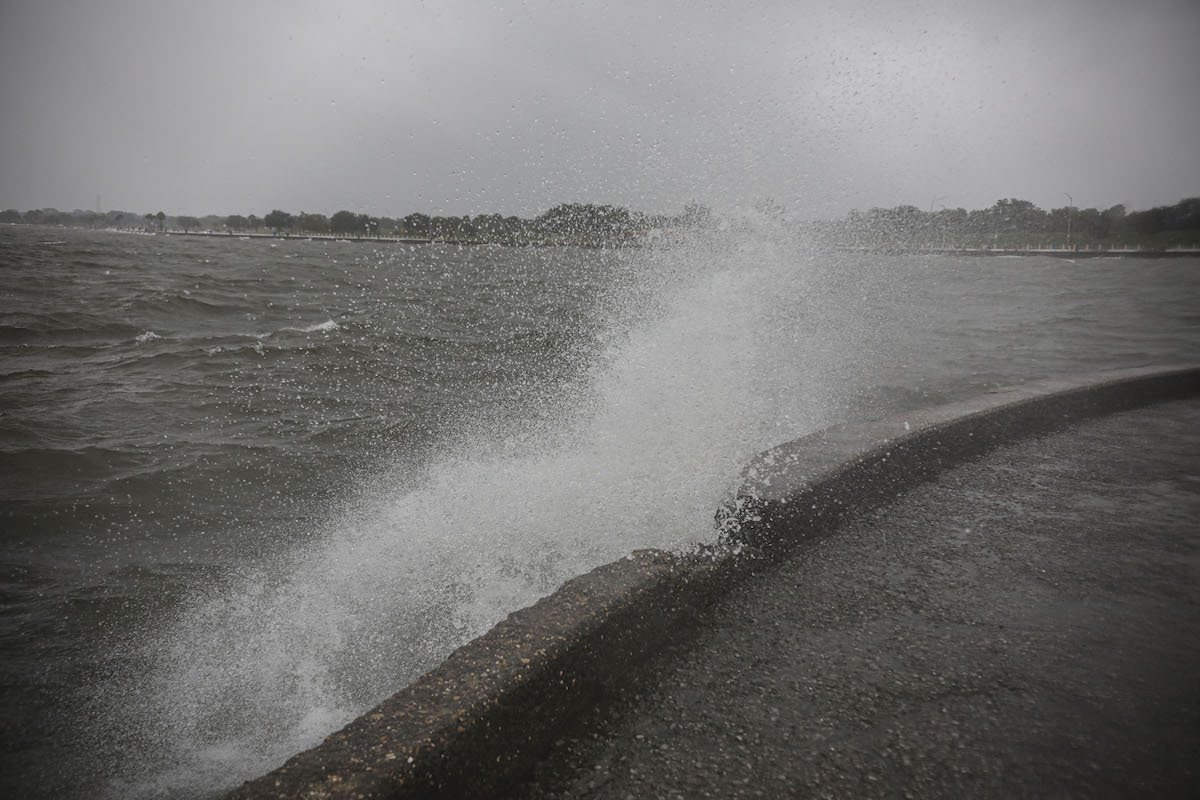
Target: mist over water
x: 299, y: 476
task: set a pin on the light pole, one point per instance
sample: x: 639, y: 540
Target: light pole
x: 931, y: 202
x: 1070, y: 206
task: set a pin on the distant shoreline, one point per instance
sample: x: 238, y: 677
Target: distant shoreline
x: 1051, y: 252
x: 333, y: 237
x: 324, y: 237
x: 1054, y: 252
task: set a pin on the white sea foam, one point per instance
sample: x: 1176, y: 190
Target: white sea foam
x: 321, y: 327
x: 705, y: 368
x: 146, y: 336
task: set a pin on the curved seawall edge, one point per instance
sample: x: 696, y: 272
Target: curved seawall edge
x: 481, y: 718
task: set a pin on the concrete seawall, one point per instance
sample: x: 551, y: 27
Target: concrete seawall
x: 478, y: 721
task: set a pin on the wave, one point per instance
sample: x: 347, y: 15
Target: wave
x: 29, y: 373
x: 179, y: 301
x: 62, y: 328
x: 17, y: 333
x: 256, y: 347
x: 88, y: 464
x: 320, y: 327
x: 56, y: 333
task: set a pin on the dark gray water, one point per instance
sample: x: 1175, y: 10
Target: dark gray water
x: 251, y: 487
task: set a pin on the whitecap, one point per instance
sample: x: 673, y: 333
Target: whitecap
x: 321, y: 327
x: 146, y: 336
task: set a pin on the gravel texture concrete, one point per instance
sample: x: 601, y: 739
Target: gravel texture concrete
x: 1026, y: 624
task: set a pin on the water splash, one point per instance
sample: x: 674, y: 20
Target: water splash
x: 321, y: 327
x: 703, y: 367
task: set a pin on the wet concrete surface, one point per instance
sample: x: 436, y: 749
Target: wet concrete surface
x: 1028, y: 624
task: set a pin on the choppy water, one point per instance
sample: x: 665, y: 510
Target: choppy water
x: 251, y: 488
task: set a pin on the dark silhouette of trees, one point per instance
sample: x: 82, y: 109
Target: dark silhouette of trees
x: 1112, y: 224
x: 313, y: 223
x: 344, y: 222
x: 279, y: 221
x: 1008, y: 223
x: 1184, y: 215
x: 416, y: 224
x: 576, y: 219
x: 1012, y: 215
x: 368, y: 225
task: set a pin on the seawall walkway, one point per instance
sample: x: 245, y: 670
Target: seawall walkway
x: 994, y: 597
x: 1027, y: 624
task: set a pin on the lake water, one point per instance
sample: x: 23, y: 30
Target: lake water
x: 253, y: 487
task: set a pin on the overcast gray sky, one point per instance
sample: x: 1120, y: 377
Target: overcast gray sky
x: 471, y: 107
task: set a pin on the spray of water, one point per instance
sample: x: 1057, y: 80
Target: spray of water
x: 711, y: 355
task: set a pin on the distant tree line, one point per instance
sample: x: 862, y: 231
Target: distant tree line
x: 582, y: 223
x: 1009, y: 222
x: 1012, y: 222
x: 567, y: 222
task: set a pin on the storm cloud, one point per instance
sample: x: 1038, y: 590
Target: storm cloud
x: 465, y: 108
